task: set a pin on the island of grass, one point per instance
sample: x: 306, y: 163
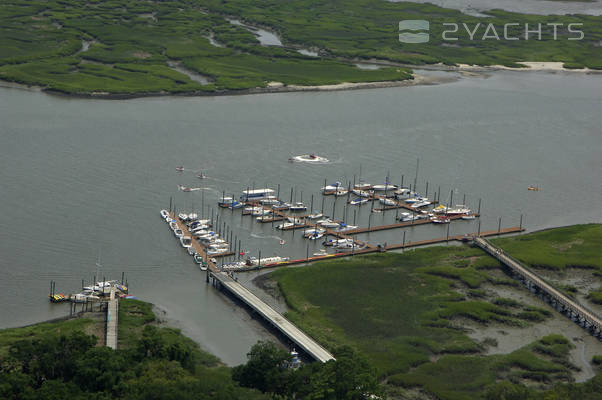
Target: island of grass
x: 128, y: 48
x: 410, y: 314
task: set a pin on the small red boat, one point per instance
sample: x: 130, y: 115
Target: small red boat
x: 180, y: 169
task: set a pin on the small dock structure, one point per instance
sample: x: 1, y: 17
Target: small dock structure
x: 112, y: 320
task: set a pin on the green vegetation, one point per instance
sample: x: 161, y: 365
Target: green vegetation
x: 59, y: 361
x: 369, y: 29
x: 38, y: 331
x: 129, y: 43
x: 406, y: 313
x: 575, y: 246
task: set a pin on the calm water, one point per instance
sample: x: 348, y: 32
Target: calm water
x: 82, y: 176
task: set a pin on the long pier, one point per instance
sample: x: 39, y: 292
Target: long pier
x: 585, y: 317
x: 286, y: 327
x: 112, y: 320
x: 276, y: 319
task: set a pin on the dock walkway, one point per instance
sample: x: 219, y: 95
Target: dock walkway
x: 112, y: 321
x: 286, y: 327
x: 590, y: 319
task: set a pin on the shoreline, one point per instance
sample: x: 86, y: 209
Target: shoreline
x: 417, y: 79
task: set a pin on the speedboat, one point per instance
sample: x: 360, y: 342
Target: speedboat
x: 164, y: 214
x: 358, y: 201
x: 186, y: 241
x: 309, y: 158
x: 361, y: 193
x: 178, y: 232
x: 387, y: 202
x: 180, y: 168
x: 201, y: 175
x: 384, y: 187
x: 298, y: 206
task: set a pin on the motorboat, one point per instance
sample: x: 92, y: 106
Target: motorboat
x: 341, y: 192
x: 422, y: 203
x: 235, y: 205
x: 533, y: 188
x: 296, y: 221
x: 385, y: 187
x: 408, y: 217
x: 361, y: 193
x: 336, y: 242
x: 173, y: 225
x: 358, y: 201
x: 180, y: 168
x: 192, y: 216
x: 316, y: 236
x: 201, y: 175
x: 414, y: 199
x: 298, y: 206
x: 321, y: 252
x: 314, y: 216
x: 349, y: 246
x: 362, y: 186
x: 309, y: 158
x: 440, y: 209
x: 401, y: 192
x: 327, y: 223
x: 281, y: 206
x: 468, y: 217
x: 208, y: 237
x: 260, y: 211
x: 309, y: 232
x: 186, y: 241
x: 458, y: 210
x: 442, y: 219
x: 387, y: 202
x: 216, y: 252
x: 270, y: 200
x: 343, y: 227
x: 285, y: 225
x: 330, y: 189
x: 191, y: 250
x: 183, y: 216
x: 164, y: 214
x: 178, y: 232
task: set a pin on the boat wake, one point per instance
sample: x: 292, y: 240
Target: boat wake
x: 258, y: 236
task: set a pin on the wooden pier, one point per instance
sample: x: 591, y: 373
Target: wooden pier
x: 112, y: 321
x: 585, y: 317
x: 287, y: 328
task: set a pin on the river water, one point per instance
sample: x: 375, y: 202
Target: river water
x: 79, y: 177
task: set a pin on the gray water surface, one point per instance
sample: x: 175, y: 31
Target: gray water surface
x: 79, y: 176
